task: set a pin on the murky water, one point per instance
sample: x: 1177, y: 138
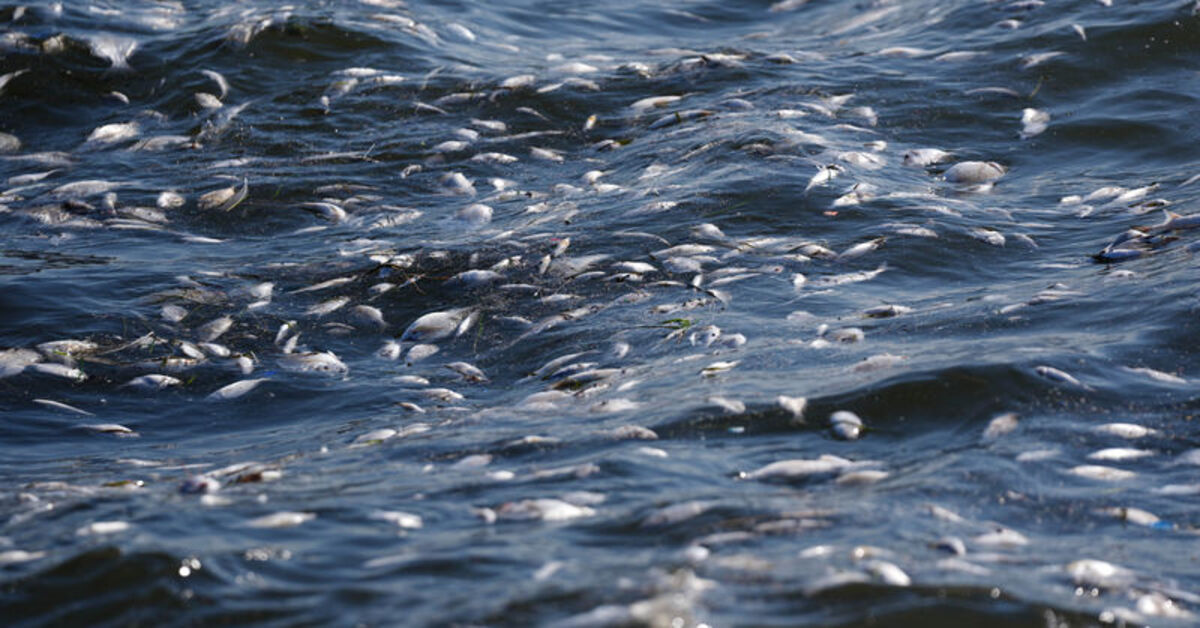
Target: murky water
x: 544, y: 314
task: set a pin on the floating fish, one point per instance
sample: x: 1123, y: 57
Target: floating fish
x: 235, y: 390
x: 436, y: 326
x: 224, y: 199
x: 974, y: 172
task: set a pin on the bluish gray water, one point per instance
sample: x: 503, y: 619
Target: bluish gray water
x: 1025, y: 374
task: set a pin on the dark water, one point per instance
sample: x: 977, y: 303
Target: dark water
x: 634, y: 489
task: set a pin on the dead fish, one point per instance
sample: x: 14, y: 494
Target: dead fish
x: 793, y: 405
x: 116, y: 50
x: 389, y: 351
x: 991, y: 236
x: 974, y: 172
x: 1134, y: 515
x: 680, y: 117
x: 162, y: 142
x: 554, y: 366
x: 1000, y: 91
x: 262, y: 291
x: 887, y: 311
x: 885, y: 572
x: 469, y: 372
x: 493, y: 157
x: 677, y: 513
x: 475, y: 278
x: 1033, y: 122
x: 1000, y: 425
x: 169, y: 200
x: 1001, y: 537
x: 856, y: 195
x: 1119, y: 453
x: 494, y: 126
x: 518, y: 82
x: 654, y: 102
x: 199, y: 484
x: 324, y: 362
x: 543, y: 509
x: 846, y: 425
x: 1156, y: 375
x: 437, y: 325
x: 14, y: 556
x: 583, y: 378
x: 284, y: 331
x: 860, y: 249
x: 235, y: 390
x: 717, y: 368
x: 327, y: 306
x: 1100, y: 472
x: 450, y: 146
x: 443, y: 394
x: 1098, y: 573
x: 803, y: 468
x: 847, y: 335
x: 705, y: 335
x: 83, y: 189
x: 224, y: 199
x: 837, y: 280
x: 103, y: 527
x: 419, y: 352
x: 866, y: 161
x: 245, y: 364
x: 115, y: 429
x: 824, y: 175
x: 1056, y: 375
x: 214, y: 329
x: 58, y: 370
x: 285, y: 519
x: 610, y: 406
x: 66, y: 350
x: 217, y: 78
x: 681, y: 265
x: 1036, y: 59
x: 331, y: 283
x: 546, y: 154
x: 368, y: 316
x: 461, y: 31
x: 153, y: 382
x: 58, y: 405
x: 407, y: 521
x: 476, y: 214
x: 329, y: 211
x: 730, y: 406
x: 374, y: 437
x: 113, y: 133
x: 1126, y: 430
x: 33, y: 177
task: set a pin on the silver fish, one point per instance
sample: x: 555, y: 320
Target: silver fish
x: 235, y: 390
x: 436, y: 326
x: 327, y: 306
x: 469, y: 372
x: 153, y: 382
x: 974, y: 172
x: 224, y: 199
x: 1056, y: 375
x: 324, y: 362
